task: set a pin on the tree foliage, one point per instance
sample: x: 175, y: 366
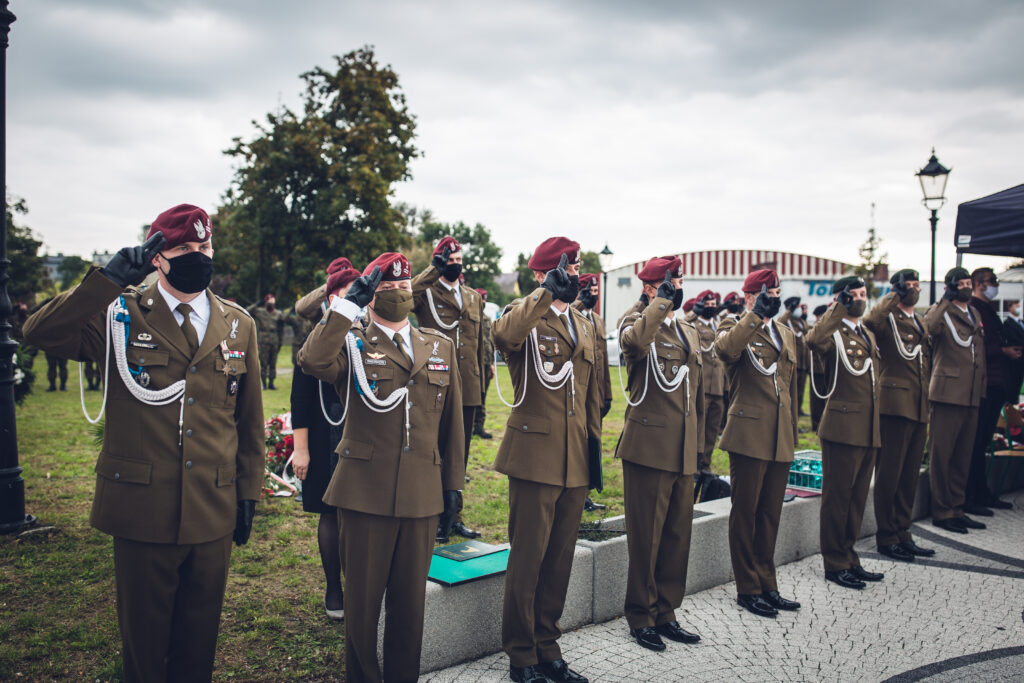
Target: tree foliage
x: 71, y: 270
x: 317, y: 184
x: 871, y: 260
x: 28, y: 277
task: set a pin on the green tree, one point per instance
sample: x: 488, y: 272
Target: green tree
x: 872, y: 262
x: 71, y: 270
x: 28, y: 277
x: 480, y: 254
x: 317, y: 184
x: 590, y: 262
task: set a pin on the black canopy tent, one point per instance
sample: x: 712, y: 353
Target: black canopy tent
x: 992, y: 225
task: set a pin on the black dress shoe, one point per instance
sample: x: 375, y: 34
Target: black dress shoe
x: 897, y: 552
x: 952, y: 524
x: 647, y: 636
x: 591, y: 506
x: 673, y: 631
x: 526, y: 674
x: 484, y: 435
x: 979, y: 510
x: 439, y: 536
x: 844, y: 578
x: 464, y: 531
x: 916, y: 550
x: 999, y: 504
x: 969, y: 523
x: 757, y: 605
x: 559, y: 672
x: 778, y: 602
x: 865, y: 575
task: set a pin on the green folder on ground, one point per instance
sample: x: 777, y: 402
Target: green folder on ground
x: 465, y: 562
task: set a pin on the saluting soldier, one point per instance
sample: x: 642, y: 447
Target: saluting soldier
x: 182, y: 460
x: 270, y: 327
x: 481, y: 413
x: 848, y: 430
x: 551, y: 453
x: 795, y: 318
x: 586, y: 304
x: 816, y: 372
x: 705, y: 311
x: 732, y: 307
x: 658, y: 449
x: 760, y: 359
x: 905, y: 364
x: 954, y: 393
x: 442, y: 303
x: 311, y: 305
x: 400, y: 460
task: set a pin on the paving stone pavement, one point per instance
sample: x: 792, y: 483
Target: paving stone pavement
x: 957, y: 616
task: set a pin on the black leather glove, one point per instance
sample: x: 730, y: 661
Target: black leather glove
x: 586, y: 298
x: 606, y: 407
x: 698, y: 308
x: 363, y: 288
x: 667, y: 290
x: 950, y: 292
x: 452, y: 507
x: 763, y: 305
x: 644, y: 299
x: 594, y: 463
x: 441, y: 260
x: 557, y: 282
x: 243, y: 521
x: 845, y: 298
x: 900, y: 286
x: 131, y: 265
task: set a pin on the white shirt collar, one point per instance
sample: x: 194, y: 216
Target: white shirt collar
x: 200, y: 305
x: 851, y: 325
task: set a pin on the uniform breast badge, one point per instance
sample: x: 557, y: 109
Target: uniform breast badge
x: 145, y: 336
x: 233, y: 386
x: 234, y: 329
x: 142, y: 378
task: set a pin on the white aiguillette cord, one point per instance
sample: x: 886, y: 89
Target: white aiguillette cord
x: 840, y: 357
x: 551, y: 381
x: 964, y: 343
x: 437, y: 316
x: 664, y: 383
x: 370, y: 400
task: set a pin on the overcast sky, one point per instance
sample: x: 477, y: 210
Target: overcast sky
x: 654, y: 127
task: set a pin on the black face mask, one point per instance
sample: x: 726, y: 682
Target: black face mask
x: 588, y: 299
x: 776, y: 303
x: 677, y: 299
x: 709, y: 312
x: 734, y: 306
x: 189, y: 273
x: 452, y: 272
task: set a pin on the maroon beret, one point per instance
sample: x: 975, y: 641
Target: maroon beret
x: 766, y: 277
x: 340, y: 263
x: 588, y: 280
x: 183, y: 223
x: 393, y: 266
x: 450, y: 242
x: 706, y: 294
x: 268, y: 297
x: 549, y: 253
x: 688, y: 305
x: 730, y: 296
x: 340, y: 278
x: 656, y: 268
x: 482, y: 292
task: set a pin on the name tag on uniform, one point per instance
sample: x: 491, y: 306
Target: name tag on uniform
x: 375, y: 361
x: 141, y: 345
x: 439, y: 367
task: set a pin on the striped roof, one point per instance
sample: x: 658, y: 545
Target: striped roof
x: 737, y: 263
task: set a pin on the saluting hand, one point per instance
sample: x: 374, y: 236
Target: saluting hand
x: 950, y: 293
x: 667, y: 290
x: 763, y: 304
x: 441, y: 260
x: 558, y: 283
x: 363, y: 288
x: 131, y: 265
x: 845, y: 298
x: 900, y: 286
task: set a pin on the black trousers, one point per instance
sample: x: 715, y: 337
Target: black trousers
x: 988, y: 415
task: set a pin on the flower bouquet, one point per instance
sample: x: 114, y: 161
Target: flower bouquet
x: 278, y: 480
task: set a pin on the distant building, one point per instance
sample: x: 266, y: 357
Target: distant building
x: 51, y: 265
x: 102, y: 258
x: 508, y: 283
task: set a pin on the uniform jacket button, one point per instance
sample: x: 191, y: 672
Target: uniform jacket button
x: 411, y: 382
x: 191, y: 400
x: 188, y: 464
x: 193, y: 369
x: 524, y: 428
x: 142, y: 361
x: 740, y: 413
x: 117, y: 475
x: 643, y: 420
x: 188, y: 432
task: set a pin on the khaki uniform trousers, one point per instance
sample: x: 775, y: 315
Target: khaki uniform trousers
x: 714, y: 409
x: 949, y: 456
x: 846, y: 477
x: 169, y: 599
x: 801, y: 383
x: 384, y: 558
x: 758, y: 487
x: 543, y: 524
x: 659, y: 518
x: 897, y: 470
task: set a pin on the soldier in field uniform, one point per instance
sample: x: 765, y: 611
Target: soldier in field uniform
x: 658, y: 448
x: 395, y: 474
x: 489, y: 368
x: 551, y: 453
x: 903, y: 406
x: 183, y: 453
x: 442, y: 303
x: 795, y: 318
x: 849, y: 429
x: 704, y: 319
x: 760, y: 430
x: 270, y: 326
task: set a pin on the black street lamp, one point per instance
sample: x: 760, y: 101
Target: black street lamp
x: 606, y: 261
x: 12, y: 486
x: 933, y: 179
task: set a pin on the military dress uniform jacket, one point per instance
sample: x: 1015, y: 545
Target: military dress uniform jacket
x: 148, y: 487
x: 851, y: 412
x: 762, y: 413
x: 665, y: 430
x: 546, y: 438
x: 800, y: 329
x: 375, y: 473
x: 601, y: 344
x: 637, y: 307
x: 714, y: 371
x: 310, y: 305
x: 904, y: 383
x: 470, y: 328
x: 958, y: 371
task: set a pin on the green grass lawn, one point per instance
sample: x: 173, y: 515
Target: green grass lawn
x: 57, y: 618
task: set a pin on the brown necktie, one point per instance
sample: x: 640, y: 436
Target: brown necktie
x: 186, y: 327
x: 400, y: 343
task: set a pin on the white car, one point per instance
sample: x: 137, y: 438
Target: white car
x: 614, y: 354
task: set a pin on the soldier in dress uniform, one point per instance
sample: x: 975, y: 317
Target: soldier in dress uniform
x: 551, y: 453
x: 586, y: 303
x: 489, y: 369
x: 270, y: 324
x: 957, y: 384
x: 905, y: 365
x: 732, y: 307
x: 705, y: 310
x: 658, y: 449
x: 795, y: 318
x: 816, y: 371
x: 182, y: 459
x: 442, y: 303
x: 760, y: 359
x: 400, y: 463
x: 849, y: 429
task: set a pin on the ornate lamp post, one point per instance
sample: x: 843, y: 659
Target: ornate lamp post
x: 606, y: 262
x: 933, y: 179
x: 12, y: 486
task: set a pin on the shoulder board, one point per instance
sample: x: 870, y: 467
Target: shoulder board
x: 431, y: 330
x: 232, y: 304
x: 687, y: 323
